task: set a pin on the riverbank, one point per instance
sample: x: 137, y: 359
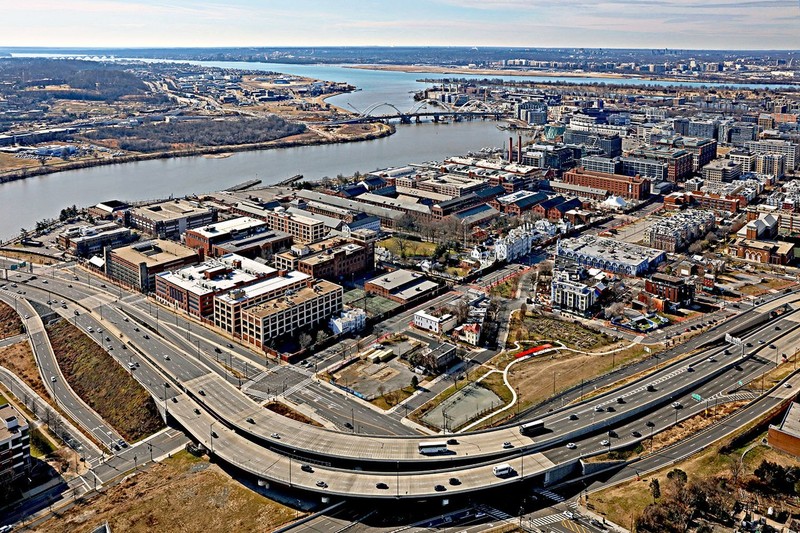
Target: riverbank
x: 577, y: 75
x: 309, y: 138
x: 422, y: 69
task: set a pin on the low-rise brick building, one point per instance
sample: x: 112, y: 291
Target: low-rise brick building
x: 631, y: 187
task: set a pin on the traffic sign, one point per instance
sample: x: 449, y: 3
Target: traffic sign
x: 697, y: 398
x: 733, y: 340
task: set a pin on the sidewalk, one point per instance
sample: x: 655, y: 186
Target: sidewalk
x: 583, y: 510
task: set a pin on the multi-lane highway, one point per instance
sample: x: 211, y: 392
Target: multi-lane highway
x: 205, y: 399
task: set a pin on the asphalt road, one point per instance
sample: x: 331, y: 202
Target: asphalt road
x: 179, y: 364
x: 227, y: 403
x: 52, y: 377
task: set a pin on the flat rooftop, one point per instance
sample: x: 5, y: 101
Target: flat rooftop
x: 154, y: 252
x: 7, y: 413
x: 246, y: 242
x: 228, y: 226
x: 610, y: 249
x: 396, y: 279
x: 172, y: 210
x: 319, y: 288
x: 791, y: 422
x: 265, y: 286
x: 215, y: 275
x: 515, y: 196
x: 328, y: 254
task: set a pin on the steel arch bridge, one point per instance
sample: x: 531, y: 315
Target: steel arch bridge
x: 428, y: 106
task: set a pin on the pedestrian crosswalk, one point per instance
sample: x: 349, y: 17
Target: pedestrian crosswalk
x: 546, y: 520
x: 497, y: 514
x: 549, y: 495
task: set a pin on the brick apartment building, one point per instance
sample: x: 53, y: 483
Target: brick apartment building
x: 679, y: 161
x: 170, y: 219
x: 137, y: 265
x: 631, y: 187
x: 299, y: 310
x: 667, y: 292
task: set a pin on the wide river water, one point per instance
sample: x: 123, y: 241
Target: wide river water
x: 24, y: 202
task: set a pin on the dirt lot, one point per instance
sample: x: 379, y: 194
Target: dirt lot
x: 545, y: 328
x: 181, y: 494
x: 10, y: 322
x: 103, y: 384
x: 771, y: 284
x: 374, y: 380
x: 288, y: 412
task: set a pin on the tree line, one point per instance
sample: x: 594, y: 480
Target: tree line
x: 161, y: 136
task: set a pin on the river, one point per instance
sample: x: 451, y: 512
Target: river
x: 24, y: 202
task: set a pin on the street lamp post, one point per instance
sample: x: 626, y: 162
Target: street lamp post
x: 211, y: 434
x: 166, y: 386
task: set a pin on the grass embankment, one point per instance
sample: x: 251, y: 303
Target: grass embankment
x: 771, y: 378
x: 539, y: 378
x: 731, y: 461
x: 183, y: 493
x: 103, y: 384
x: 288, y: 412
x: 18, y: 359
x: 41, y: 446
x: 623, y: 503
x: 39, y: 259
x: 10, y: 322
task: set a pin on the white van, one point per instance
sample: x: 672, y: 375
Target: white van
x: 502, y: 470
x: 90, y: 329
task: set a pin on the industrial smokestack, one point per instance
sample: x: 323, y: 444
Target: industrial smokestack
x: 519, y: 148
x: 510, y: 149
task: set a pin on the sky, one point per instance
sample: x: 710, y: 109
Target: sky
x: 677, y: 24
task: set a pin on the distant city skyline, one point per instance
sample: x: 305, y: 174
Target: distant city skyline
x: 681, y: 24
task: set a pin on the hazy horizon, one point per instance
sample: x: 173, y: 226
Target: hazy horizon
x: 648, y: 24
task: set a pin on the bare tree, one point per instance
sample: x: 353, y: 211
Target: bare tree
x: 305, y: 340
x: 407, y: 223
x: 615, y: 310
x: 545, y: 268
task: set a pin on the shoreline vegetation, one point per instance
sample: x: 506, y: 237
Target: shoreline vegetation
x: 217, y: 152
x: 423, y: 69
x: 460, y: 71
